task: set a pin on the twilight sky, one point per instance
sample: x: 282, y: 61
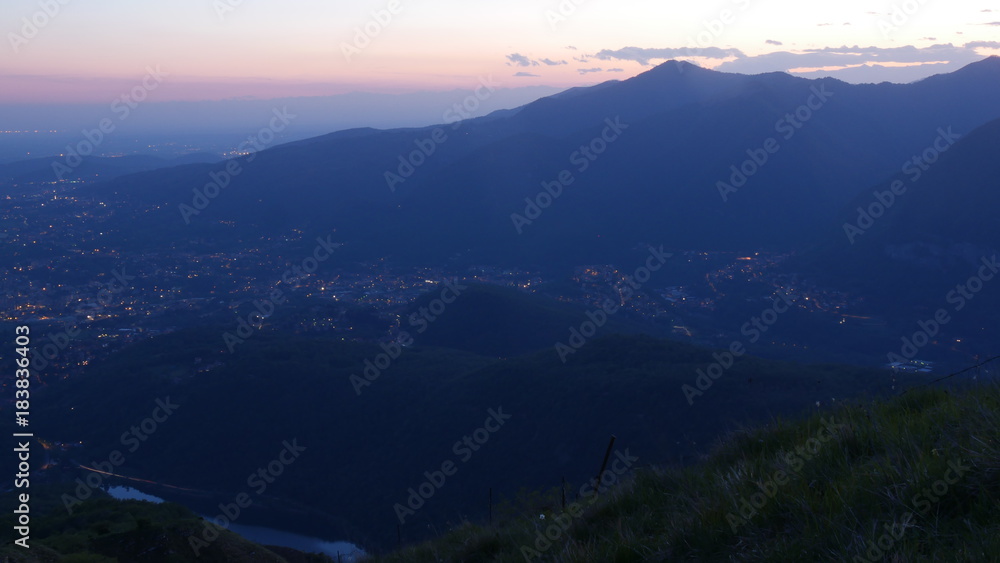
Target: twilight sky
x: 219, y: 49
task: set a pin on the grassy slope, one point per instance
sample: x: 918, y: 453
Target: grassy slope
x: 887, y: 464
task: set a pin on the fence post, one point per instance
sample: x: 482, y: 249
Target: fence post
x: 563, y: 491
x: 604, y: 465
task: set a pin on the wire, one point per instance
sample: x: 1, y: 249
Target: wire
x: 950, y: 375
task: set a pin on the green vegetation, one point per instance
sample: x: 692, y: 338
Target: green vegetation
x: 914, y: 478
x: 105, y: 530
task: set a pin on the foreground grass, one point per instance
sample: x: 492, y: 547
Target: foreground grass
x: 914, y: 478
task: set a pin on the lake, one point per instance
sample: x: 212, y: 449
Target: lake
x: 263, y: 535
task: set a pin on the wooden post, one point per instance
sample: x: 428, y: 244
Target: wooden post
x: 604, y: 465
x: 563, y: 491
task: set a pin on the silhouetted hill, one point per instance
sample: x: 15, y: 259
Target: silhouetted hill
x: 372, y: 425
x: 679, y: 131
x: 105, y: 530
x: 907, y: 251
x: 497, y: 321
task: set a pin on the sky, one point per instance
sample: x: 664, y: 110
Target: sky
x: 72, y: 51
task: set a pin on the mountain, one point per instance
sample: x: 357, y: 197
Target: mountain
x: 673, y: 141
x: 924, y: 240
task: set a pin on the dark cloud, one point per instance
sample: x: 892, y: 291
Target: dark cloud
x: 616, y: 70
x: 588, y: 70
x: 773, y: 42
x: 643, y: 56
x: 526, y: 74
x: 550, y: 62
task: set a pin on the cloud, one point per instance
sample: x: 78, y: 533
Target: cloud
x: 643, y: 56
x: 616, y: 70
x: 518, y: 59
x: 570, y: 47
x: 773, y: 42
x: 991, y: 23
x: 526, y: 74
x: 581, y: 59
x: 588, y: 70
x: 852, y: 56
x: 986, y: 44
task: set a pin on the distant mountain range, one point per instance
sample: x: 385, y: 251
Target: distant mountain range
x: 694, y: 159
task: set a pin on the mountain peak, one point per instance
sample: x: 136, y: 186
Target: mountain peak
x: 990, y: 64
x: 677, y: 67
